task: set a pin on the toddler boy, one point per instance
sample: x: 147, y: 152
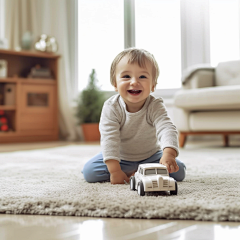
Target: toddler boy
x: 133, y: 123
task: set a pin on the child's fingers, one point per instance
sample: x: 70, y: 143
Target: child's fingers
x: 127, y: 179
x: 168, y: 167
x: 171, y: 167
x: 174, y: 168
x: 126, y: 182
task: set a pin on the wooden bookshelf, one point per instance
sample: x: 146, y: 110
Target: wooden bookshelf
x: 7, y: 108
x: 34, y: 114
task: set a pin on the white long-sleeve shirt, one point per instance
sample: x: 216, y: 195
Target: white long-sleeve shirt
x: 135, y: 136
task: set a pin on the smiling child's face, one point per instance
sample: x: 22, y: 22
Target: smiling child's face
x: 133, y: 83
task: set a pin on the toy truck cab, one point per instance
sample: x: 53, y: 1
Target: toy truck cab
x: 152, y: 177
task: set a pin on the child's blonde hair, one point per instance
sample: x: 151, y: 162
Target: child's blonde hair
x: 136, y: 55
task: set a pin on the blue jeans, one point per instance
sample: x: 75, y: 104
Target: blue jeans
x: 95, y: 170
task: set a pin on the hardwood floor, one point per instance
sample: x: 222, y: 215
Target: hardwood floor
x: 24, y: 227
x: 36, y: 227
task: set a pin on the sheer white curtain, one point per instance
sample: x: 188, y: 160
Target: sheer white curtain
x: 224, y: 30
x: 210, y: 31
x: 195, y: 32
x: 52, y: 18
x: 2, y: 16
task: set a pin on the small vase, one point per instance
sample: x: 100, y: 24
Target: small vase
x: 3, y: 68
x: 27, y: 41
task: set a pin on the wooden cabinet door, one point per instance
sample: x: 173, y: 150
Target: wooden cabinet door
x: 38, y: 109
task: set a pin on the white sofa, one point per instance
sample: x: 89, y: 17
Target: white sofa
x: 209, y: 101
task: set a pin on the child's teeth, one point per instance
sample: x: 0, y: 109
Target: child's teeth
x: 134, y: 91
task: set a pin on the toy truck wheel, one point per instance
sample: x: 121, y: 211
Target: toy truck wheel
x: 132, y: 183
x: 176, y: 189
x: 140, y: 189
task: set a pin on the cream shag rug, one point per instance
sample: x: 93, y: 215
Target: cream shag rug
x: 50, y: 182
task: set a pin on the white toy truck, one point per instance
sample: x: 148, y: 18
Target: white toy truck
x: 152, y: 177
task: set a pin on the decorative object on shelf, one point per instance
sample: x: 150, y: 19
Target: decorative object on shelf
x: 9, y: 94
x: 3, y: 43
x: 26, y: 43
x: 46, y: 43
x: 3, y: 68
x: 3, y: 122
x: 39, y: 72
x: 89, y: 107
x: 18, y: 49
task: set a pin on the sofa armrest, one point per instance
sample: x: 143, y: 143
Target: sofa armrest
x: 200, y: 79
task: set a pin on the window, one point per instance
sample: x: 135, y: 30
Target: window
x: 101, y: 38
x: 224, y: 30
x: 158, y: 31
x: 161, y: 171
x: 150, y: 172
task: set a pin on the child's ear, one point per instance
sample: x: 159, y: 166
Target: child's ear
x: 153, y: 88
x: 115, y: 88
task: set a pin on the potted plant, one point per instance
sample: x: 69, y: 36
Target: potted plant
x: 89, y: 107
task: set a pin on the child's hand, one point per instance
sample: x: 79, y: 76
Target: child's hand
x: 168, y: 159
x: 118, y: 177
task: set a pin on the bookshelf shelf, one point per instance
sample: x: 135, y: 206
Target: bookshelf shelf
x: 28, y: 80
x: 7, y: 108
x: 8, y: 80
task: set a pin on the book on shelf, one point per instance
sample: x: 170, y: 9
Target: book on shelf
x: 39, y: 72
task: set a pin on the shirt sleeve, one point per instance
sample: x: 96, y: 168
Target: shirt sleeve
x: 109, y: 127
x: 166, y: 131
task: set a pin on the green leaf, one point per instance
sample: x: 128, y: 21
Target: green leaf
x: 90, y: 102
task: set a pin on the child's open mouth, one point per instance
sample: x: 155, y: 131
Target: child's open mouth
x: 134, y: 92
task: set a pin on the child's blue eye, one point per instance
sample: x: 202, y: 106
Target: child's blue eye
x: 143, y: 76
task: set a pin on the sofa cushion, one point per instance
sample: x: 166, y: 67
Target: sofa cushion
x: 215, y: 121
x: 213, y: 98
x: 227, y: 73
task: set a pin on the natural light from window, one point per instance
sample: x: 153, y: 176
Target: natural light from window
x: 224, y: 30
x: 158, y: 31
x: 101, y: 38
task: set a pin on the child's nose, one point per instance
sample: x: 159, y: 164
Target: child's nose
x: 134, y: 81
